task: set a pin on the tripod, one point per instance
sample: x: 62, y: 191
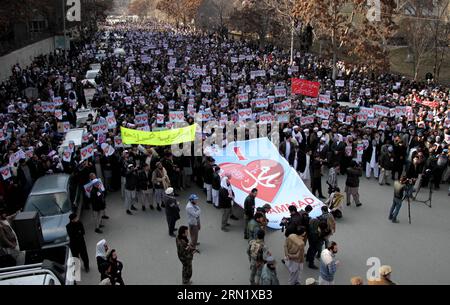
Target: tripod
x: 409, y: 209
x: 427, y: 202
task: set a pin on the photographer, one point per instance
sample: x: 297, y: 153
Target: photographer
x: 293, y: 223
x: 264, y: 210
x: 439, y: 168
x: 400, y: 191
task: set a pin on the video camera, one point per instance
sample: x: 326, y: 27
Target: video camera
x: 409, y: 188
x: 285, y: 221
x: 428, y: 173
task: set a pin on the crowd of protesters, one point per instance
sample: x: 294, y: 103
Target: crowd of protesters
x: 165, y: 70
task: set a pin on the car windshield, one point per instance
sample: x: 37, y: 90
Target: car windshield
x: 48, y: 204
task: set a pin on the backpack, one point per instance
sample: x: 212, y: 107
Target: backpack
x: 338, y: 199
x: 325, y: 225
x: 255, y: 250
x: 337, y: 214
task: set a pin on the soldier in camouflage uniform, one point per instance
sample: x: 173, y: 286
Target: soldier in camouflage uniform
x: 257, y: 252
x: 185, y: 254
x: 255, y: 225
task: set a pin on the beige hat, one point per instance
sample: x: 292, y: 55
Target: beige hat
x: 169, y: 191
x: 356, y: 280
x: 385, y: 270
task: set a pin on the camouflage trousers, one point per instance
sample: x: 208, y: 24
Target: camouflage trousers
x: 255, y: 273
x: 187, y: 271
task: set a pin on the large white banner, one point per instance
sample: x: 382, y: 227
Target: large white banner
x: 257, y: 164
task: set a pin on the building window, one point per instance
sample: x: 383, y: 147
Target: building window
x: 37, y: 26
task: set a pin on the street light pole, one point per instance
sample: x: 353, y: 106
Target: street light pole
x: 64, y: 28
x: 292, y: 41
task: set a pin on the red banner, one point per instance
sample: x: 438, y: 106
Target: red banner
x: 430, y: 104
x: 305, y: 87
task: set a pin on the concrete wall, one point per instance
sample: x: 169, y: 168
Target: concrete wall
x: 25, y: 56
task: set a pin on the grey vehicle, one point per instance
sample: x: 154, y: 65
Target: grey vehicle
x: 54, y: 197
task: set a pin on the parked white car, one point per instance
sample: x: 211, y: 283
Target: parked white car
x: 42, y: 274
x: 95, y: 66
x: 119, y: 51
x: 91, y: 75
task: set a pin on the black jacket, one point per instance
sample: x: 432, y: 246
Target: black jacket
x: 216, y: 181
x: 75, y: 231
x: 414, y: 171
x: 143, y: 181
x: 209, y: 172
x: 249, y: 206
x: 169, y: 165
x: 353, y: 175
x: 301, y: 162
x: 367, y: 154
x: 316, y: 168
x: 400, y: 155
x: 97, y: 199
x: 131, y: 180
x: 103, y: 266
x: 294, y: 223
x: 107, y: 162
x: 324, y: 152
x: 387, y: 161
x: 336, y: 152
x: 225, y: 202
x: 115, y: 272
x: 172, y: 209
x: 21, y: 174
x: 305, y: 219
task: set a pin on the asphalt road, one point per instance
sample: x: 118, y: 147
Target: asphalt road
x: 417, y: 252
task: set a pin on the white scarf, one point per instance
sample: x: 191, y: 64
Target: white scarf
x: 225, y: 183
x: 101, y: 252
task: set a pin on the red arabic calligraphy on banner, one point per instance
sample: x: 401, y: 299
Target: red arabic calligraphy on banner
x: 305, y: 87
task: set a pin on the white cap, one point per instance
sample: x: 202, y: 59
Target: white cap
x: 169, y: 191
x: 385, y: 270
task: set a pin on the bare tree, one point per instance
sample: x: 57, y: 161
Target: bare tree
x: 416, y: 24
x: 285, y: 13
x: 253, y: 17
x: 141, y: 8
x: 182, y: 11
x: 441, y: 30
x: 221, y: 8
x: 345, y: 28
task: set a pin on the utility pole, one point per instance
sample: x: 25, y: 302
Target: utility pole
x: 292, y: 40
x: 64, y: 28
